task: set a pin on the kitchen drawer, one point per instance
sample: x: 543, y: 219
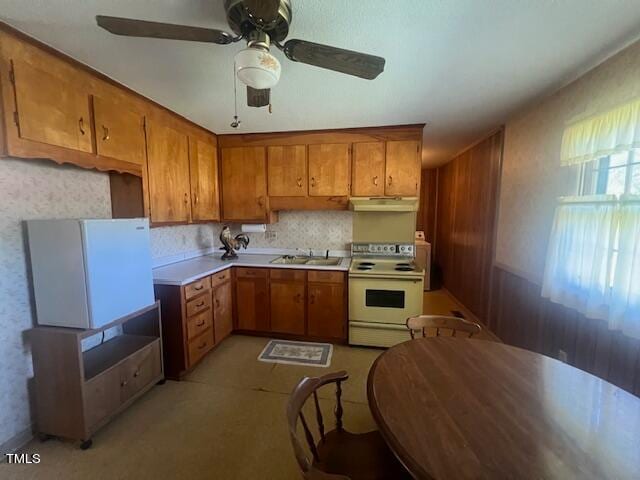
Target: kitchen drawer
x: 139, y: 370
x: 287, y: 274
x: 199, y: 346
x: 323, y: 276
x: 199, y: 323
x: 198, y: 304
x: 197, y: 287
x: 220, y: 277
x: 252, y: 272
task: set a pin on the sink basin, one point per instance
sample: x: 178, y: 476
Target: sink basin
x: 331, y: 261
x: 289, y: 260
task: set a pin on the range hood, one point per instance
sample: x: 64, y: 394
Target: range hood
x: 384, y: 204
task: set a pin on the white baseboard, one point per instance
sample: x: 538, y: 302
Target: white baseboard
x: 15, y: 443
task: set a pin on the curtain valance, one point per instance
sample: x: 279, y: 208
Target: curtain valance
x: 604, y: 134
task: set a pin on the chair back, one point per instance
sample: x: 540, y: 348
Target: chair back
x: 455, y: 324
x: 306, y: 388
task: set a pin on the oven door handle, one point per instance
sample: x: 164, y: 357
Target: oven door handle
x: 370, y: 277
x: 380, y: 326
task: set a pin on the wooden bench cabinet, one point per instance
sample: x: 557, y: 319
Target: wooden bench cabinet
x: 196, y: 317
x: 77, y: 391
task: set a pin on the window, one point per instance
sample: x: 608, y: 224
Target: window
x: 616, y: 174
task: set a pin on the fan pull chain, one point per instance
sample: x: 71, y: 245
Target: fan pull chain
x: 236, y: 123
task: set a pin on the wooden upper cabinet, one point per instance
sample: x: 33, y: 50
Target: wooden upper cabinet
x: 403, y: 169
x: 51, y: 110
x: 329, y: 169
x: 203, y: 167
x: 368, y: 169
x: 244, y: 183
x: 119, y: 131
x: 287, y: 171
x: 168, y: 164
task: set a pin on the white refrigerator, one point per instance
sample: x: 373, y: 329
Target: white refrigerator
x: 88, y: 273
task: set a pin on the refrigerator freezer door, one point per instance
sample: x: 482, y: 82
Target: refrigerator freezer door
x: 118, y: 268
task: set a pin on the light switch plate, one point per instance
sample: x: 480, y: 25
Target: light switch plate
x: 270, y: 235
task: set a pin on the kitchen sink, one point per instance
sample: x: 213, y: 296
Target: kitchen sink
x: 324, y: 261
x: 291, y: 260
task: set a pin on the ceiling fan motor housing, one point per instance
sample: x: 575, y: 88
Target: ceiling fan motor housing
x: 242, y: 23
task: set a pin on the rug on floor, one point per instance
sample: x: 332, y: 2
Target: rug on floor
x: 297, y: 353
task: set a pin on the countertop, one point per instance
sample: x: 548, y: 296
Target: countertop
x: 187, y: 271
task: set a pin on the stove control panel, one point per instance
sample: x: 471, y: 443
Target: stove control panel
x: 383, y: 249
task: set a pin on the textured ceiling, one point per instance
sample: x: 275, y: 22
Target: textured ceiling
x: 460, y: 66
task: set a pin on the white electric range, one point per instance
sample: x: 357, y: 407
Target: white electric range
x: 385, y: 288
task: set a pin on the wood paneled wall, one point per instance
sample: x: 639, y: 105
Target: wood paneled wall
x: 521, y: 317
x: 426, y: 218
x: 467, y: 198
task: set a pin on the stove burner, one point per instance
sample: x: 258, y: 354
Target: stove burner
x: 366, y: 264
x: 364, y: 267
x: 403, y: 264
x: 404, y: 269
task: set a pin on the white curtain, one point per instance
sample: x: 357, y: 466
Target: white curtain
x: 578, y: 264
x: 616, y: 130
x: 593, y: 261
x: 625, y: 293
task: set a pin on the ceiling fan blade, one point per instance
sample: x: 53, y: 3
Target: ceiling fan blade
x: 337, y: 59
x: 142, y: 28
x: 265, y: 11
x: 258, y: 98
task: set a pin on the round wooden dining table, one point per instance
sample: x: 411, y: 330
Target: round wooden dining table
x: 453, y: 408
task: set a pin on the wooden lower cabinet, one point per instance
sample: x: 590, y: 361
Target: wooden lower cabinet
x: 252, y: 299
x: 326, y: 306
x: 195, y: 318
x: 287, y: 295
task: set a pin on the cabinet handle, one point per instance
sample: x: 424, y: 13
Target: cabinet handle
x: 299, y: 182
x: 200, y: 287
x: 390, y: 180
x: 312, y: 299
x: 200, y: 324
x: 123, y: 383
x: 260, y: 201
x: 105, y: 133
x: 200, y: 304
x: 136, y: 374
x: 195, y: 197
x: 313, y: 181
x: 375, y: 180
x: 202, y: 346
x: 297, y: 298
x: 217, y: 303
x: 81, y: 125
x: 186, y: 199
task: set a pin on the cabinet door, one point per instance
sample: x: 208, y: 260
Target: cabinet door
x: 244, y: 183
x: 252, y: 300
x: 102, y: 396
x: 139, y: 370
x: 287, y: 171
x: 222, y: 318
x: 329, y: 169
x: 168, y: 166
x: 326, y: 310
x: 403, y: 168
x: 203, y: 166
x: 119, y: 132
x: 368, y: 169
x: 50, y: 110
x: 287, y: 307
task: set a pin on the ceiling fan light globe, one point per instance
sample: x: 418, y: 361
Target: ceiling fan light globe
x: 257, y: 68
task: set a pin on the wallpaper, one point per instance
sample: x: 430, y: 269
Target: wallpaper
x: 28, y: 190
x: 532, y: 178
x: 40, y: 189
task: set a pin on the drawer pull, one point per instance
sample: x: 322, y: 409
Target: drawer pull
x: 123, y: 383
x: 136, y: 374
x: 217, y: 303
x: 202, y: 346
x: 375, y: 180
x: 199, y: 324
x: 312, y: 299
x: 200, y: 304
x: 199, y: 287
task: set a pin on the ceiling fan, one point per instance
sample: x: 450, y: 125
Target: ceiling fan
x: 261, y: 23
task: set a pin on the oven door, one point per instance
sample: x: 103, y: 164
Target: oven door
x: 384, y: 300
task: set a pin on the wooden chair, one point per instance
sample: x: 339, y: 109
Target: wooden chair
x: 454, y: 324
x: 338, y: 454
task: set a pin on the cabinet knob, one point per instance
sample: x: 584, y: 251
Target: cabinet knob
x: 105, y: 133
x: 81, y: 125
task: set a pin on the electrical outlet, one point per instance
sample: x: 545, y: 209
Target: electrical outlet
x: 270, y: 235
x: 562, y: 356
